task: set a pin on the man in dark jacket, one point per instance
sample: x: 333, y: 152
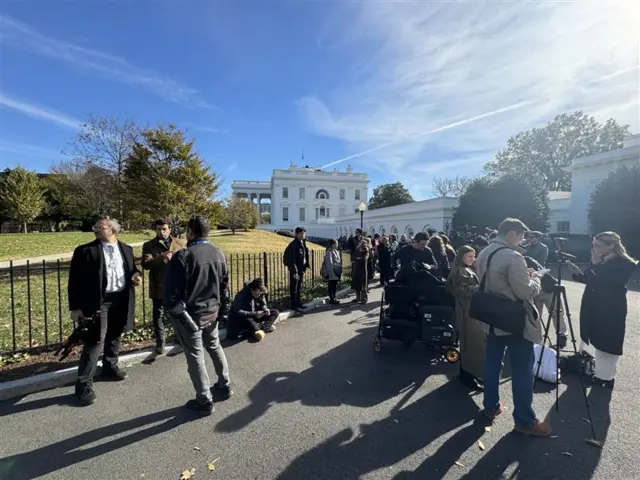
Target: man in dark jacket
x: 196, y: 297
x: 355, y: 241
x: 249, y: 311
x: 156, y: 255
x: 101, y: 280
x: 296, y: 257
x: 416, y: 251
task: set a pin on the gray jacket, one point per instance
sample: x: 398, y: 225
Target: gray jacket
x: 508, y: 277
x: 331, y: 262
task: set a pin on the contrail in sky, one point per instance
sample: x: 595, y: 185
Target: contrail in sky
x: 435, y: 130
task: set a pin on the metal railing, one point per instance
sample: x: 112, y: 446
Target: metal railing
x: 34, y: 308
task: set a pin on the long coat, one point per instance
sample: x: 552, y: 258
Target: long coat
x: 88, y: 283
x: 332, y: 263
x: 359, y: 278
x: 157, y: 266
x: 473, y: 339
x: 603, y: 310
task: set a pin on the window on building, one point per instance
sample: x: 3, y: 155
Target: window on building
x: 301, y: 193
x: 563, y: 226
x: 302, y: 214
x: 341, y: 211
x: 342, y: 194
x: 357, y: 210
x: 323, y: 212
x: 357, y: 194
x: 285, y: 192
x: 322, y: 194
x: 285, y: 214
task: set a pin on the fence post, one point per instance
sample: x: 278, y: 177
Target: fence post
x: 59, y: 301
x: 144, y: 304
x: 44, y: 302
x: 265, y: 273
x: 313, y: 269
x: 29, y: 303
x: 13, y: 304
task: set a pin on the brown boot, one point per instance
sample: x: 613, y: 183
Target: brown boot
x: 538, y: 429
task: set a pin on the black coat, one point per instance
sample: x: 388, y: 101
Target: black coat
x: 88, y: 283
x: 603, y: 310
x: 297, y: 257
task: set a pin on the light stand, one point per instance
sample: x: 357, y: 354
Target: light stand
x: 558, y: 300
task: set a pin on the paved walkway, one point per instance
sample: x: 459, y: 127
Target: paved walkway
x: 313, y: 401
x: 49, y: 258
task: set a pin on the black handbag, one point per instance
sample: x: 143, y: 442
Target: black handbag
x: 495, y: 310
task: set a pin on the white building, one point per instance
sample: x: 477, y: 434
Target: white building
x: 305, y: 196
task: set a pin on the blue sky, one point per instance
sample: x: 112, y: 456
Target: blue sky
x: 401, y: 90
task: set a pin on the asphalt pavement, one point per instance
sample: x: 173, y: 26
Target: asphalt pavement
x: 313, y: 401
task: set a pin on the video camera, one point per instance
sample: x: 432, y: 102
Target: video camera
x: 561, y: 255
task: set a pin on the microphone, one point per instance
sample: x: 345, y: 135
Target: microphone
x: 565, y: 255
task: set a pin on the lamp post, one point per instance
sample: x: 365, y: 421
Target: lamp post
x: 362, y: 207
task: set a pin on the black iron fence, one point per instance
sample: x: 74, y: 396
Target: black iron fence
x: 34, y: 313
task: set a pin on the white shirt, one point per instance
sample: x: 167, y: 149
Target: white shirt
x: 114, y: 267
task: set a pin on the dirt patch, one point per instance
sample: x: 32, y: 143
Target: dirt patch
x: 48, y: 362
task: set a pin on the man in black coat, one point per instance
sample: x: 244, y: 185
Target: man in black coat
x: 415, y: 252
x: 196, y: 297
x: 101, y: 280
x: 296, y: 258
x: 249, y: 311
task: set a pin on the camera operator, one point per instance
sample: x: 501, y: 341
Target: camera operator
x: 535, y: 249
x: 196, y: 297
x: 603, y: 310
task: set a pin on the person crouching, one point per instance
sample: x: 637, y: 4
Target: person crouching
x: 249, y: 311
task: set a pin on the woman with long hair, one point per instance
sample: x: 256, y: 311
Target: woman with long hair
x: 603, y: 310
x: 461, y: 283
x: 332, y: 266
x: 443, y: 267
x: 359, y: 274
x: 451, y: 252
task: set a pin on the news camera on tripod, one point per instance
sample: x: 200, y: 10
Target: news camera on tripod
x: 603, y: 309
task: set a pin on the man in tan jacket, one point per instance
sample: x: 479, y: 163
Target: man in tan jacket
x: 156, y: 254
x: 509, y: 276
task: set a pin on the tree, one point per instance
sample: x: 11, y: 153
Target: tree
x: 487, y: 202
x: 241, y: 214
x: 388, y: 195
x: 165, y: 177
x: 106, y: 143
x: 546, y: 153
x: 450, y: 187
x: 614, y: 206
x: 23, y: 195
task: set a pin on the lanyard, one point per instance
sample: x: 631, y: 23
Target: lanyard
x: 197, y: 242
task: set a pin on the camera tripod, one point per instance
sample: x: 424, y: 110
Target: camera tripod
x: 559, y: 300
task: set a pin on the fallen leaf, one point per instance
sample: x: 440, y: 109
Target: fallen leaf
x: 594, y: 442
x: 349, y: 382
x: 585, y: 420
x: 567, y: 454
x: 396, y: 420
x: 211, y: 466
x: 197, y: 449
x: 188, y: 474
x: 459, y: 464
x: 481, y: 445
x: 554, y: 436
x: 487, y: 429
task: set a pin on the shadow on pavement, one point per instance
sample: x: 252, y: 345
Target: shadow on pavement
x: 408, y: 429
x: 341, y: 377
x: 13, y: 405
x: 565, y: 456
x: 43, y: 461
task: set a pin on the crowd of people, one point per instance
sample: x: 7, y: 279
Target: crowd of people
x: 189, y: 287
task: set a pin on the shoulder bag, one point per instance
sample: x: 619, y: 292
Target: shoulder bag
x: 496, y: 310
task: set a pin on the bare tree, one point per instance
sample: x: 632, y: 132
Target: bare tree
x: 450, y: 187
x: 106, y: 142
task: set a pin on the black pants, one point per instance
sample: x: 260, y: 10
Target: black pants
x: 238, y: 324
x: 158, y: 322
x: 295, y: 287
x: 113, y: 320
x: 385, y: 275
x: 333, y: 288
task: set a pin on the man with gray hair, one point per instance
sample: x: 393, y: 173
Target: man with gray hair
x: 101, y: 280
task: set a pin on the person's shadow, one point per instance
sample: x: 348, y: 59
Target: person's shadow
x: 338, y: 377
x: 42, y: 461
x: 565, y: 455
x: 408, y: 429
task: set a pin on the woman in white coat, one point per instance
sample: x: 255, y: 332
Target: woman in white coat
x: 332, y: 270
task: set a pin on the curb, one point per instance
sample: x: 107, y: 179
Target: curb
x: 59, y: 378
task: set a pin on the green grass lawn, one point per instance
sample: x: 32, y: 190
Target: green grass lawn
x: 248, y: 255
x: 14, y: 246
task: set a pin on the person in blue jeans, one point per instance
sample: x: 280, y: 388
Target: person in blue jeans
x: 509, y: 276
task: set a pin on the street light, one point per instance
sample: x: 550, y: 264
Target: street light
x: 362, y: 207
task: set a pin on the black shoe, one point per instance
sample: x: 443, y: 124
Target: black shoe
x: 221, y: 394
x: 115, y: 374
x: 204, y: 409
x: 268, y: 328
x: 160, y: 349
x: 469, y: 381
x: 562, y: 340
x: 334, y: 301
x: 86, y: 396
x: 603, y: 383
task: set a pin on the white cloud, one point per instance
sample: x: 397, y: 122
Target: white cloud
x: 39, y: 112
x: 437, y: 74
x: 22, y: 36
x: 28, y: 150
